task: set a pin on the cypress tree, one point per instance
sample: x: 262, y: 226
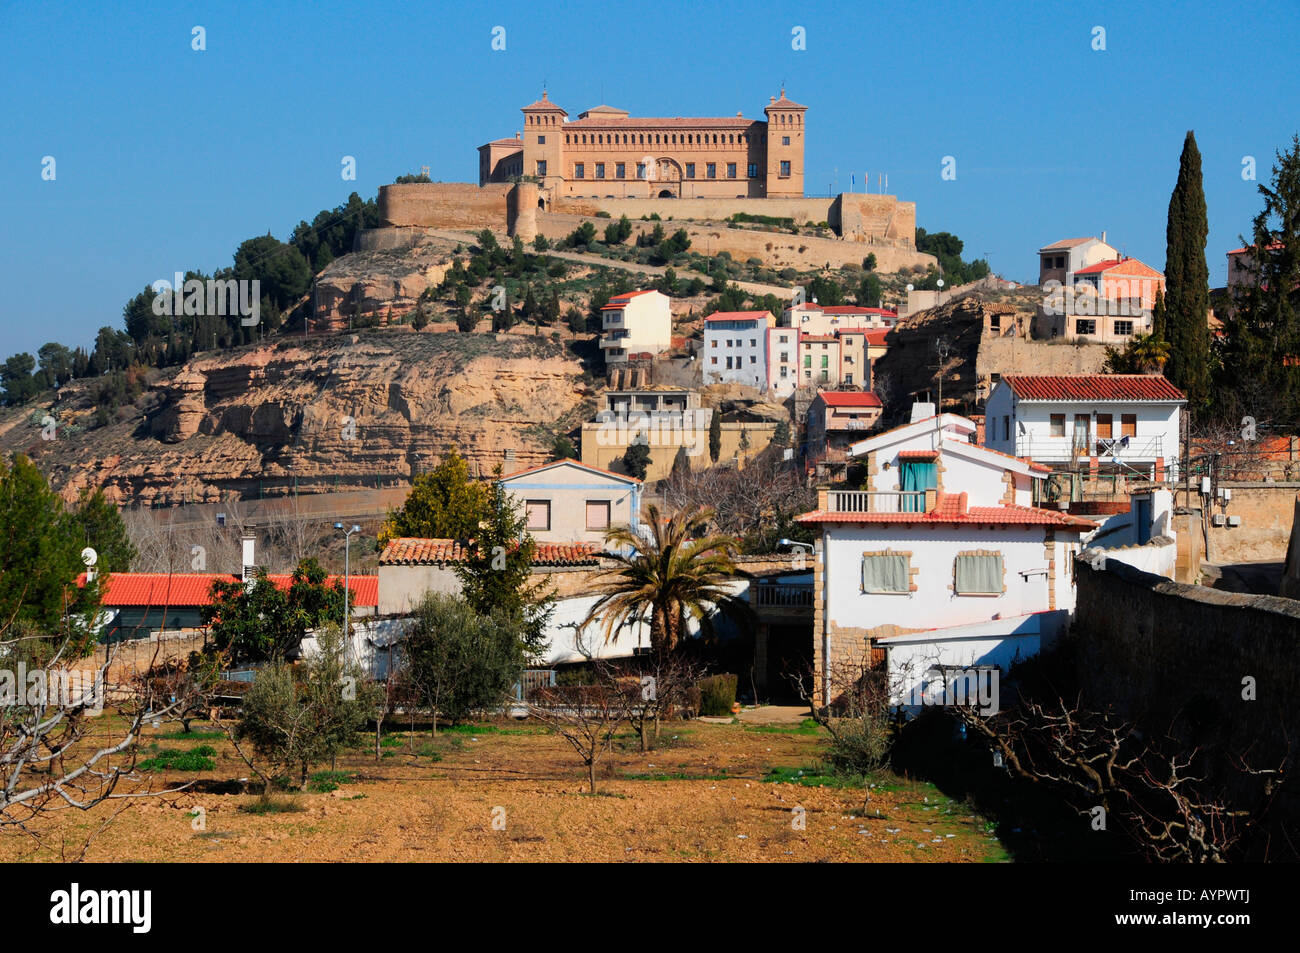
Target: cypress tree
x: 1187, y: 280
x: 715, y: 435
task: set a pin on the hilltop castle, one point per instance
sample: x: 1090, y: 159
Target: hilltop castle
x: 606, y: 153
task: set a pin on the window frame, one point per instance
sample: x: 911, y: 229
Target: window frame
x: 980, y: 554
x: 528, y: 513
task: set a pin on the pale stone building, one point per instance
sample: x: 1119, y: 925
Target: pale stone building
x: 607, y: 152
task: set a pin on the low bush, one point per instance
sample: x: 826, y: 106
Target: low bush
x: 717, y: 694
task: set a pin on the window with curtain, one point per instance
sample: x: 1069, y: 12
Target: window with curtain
x: 886, y: 572
x: 978, y: 575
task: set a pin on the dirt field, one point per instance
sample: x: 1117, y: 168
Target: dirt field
x: 703, y: 797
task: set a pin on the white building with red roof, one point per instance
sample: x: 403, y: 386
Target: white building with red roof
x: 940, y: 560
x: 735, y: 348
x: 636, y: 324
x: 1127, y: 423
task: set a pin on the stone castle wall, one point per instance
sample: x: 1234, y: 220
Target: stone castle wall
x: 443, y: 205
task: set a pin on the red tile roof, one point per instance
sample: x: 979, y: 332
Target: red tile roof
x: 412, y: 551
x: 651, y: 123
x: 877, y: 338
x: 617, y: 302
x: 918, y: 454
x: 1094, y: 387
x: 951, y: 509
x: 195, y: 588
x: 842, y: 398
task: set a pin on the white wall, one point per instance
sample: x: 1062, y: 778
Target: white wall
x: 1003, y: 643
x: 933, y: 548
x: 752, y: 370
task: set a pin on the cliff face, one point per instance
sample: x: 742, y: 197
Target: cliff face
x: 345, y: 412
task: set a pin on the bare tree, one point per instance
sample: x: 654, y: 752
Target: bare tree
x: 754, y: 504
x: 1164, y: 794
x: 68, y: 736
x: 663, y: 689
x: 587, y: 716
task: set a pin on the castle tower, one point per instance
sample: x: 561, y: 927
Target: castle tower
x: 785, y: 129
x: 543, y: 142
x: 521, y: 211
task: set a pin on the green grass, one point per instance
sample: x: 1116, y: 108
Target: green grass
x: 322, y: 782
x: 811, y: 776
x: 199, y: 758
x: 273, y: 805
x: 675, y: 776
x: 805, y: 727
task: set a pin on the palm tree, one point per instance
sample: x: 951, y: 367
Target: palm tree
x: 675, y: 573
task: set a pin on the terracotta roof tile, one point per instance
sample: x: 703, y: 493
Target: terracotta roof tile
x: 195, y: 588
x: 1094, y: 387
x: 952, y: 509
x: 412, y: 551
x: 839, y: 398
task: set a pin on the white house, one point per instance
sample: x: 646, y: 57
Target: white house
x: 1060, y: 260
x: 782, y: 360
x: 571, y: 502
x: 639, y: 322
x: 735, y: 347
x: 942, y: 536
x: 1112, y: 422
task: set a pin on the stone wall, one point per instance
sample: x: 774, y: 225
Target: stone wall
x: 776, y: 249
x: 443, y: 205
x: 1157, y: 649
x: 1265, y: 511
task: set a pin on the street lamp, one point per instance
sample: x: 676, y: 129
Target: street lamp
x: 347, y: 572
x: 794, y: 542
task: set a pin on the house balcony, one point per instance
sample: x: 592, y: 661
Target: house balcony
x: 1128, y: 450
x: 613, y: 340
x: 878, y: 501
x: 774, y: 599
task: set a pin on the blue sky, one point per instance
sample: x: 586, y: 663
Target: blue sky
x: 167, y: 158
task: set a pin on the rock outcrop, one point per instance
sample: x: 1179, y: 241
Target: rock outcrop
x: 345, y: 412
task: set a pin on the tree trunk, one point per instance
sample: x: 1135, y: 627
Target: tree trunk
x: 304, y: 776
x: 591, y: 774
x: 641, y: 726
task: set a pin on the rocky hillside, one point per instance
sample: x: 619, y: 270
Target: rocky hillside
x: 340, y: 412
x: 985, y: 335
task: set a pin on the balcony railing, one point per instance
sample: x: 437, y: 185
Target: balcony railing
x: 1062, y: 449
x: 872, y: 501
x: 777, y: 596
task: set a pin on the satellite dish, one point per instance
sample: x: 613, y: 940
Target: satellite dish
x: 89, y: 556
x: 939, y: 282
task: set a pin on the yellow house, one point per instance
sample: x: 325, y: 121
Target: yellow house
x: 570, y: 502
x: 639, y: 322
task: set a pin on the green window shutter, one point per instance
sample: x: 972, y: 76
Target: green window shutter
x: 886, y: 573
x: 978, y: 574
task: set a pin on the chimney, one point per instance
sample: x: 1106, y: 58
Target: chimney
x: 248, y: 544
x: 921, y: 410
x: 510, y: 458
x: 1103, y: 236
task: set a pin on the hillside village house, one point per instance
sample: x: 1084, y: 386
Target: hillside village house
x: 636, y: 323
x: 940, y: 560
x: 735, y: 347
x: 812, y: 318
x: 570, y: 502
x: 826, y: 346
x: 1060, y: 260
x: 154, y: 605
x: 836, y: 420
x: 1127, y: 423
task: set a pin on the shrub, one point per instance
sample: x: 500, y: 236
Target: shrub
x: 199, y: 758
x: 717, y: 694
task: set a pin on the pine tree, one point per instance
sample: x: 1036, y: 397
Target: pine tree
x: 1262, y: 335
x: 1187, y: 280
